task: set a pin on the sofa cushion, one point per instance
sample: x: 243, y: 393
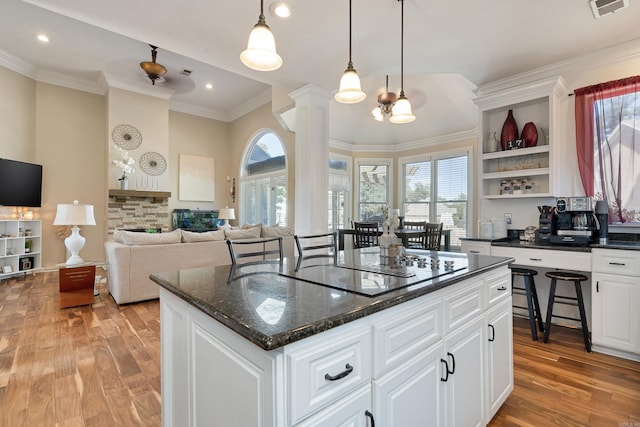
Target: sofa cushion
x: 249, y: 233
x: 134, y: 238
x: 117, y: 236
x: 277, y: 231
x: 207, y: 236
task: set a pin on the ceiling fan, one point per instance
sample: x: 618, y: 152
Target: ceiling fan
x: 154, y: 70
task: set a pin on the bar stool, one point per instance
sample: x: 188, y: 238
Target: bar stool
x: 577, y: 280
x: 533, y: 306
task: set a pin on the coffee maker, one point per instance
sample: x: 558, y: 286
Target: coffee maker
x: 576, y: 223
x: 602, y: 217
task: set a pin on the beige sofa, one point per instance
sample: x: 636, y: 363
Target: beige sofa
x: 131, y: 260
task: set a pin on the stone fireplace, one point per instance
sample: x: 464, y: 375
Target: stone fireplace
x: 138, y: 210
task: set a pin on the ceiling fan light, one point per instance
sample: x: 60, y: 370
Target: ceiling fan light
x: 350, y: 90
x: 153, y: 69
x: 261, y: 52
x: 377, y: 114
x: 401, y: 111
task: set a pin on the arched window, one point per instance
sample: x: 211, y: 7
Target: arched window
x: 263, y: 183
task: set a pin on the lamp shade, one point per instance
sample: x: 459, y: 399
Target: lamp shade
x: 261, y: 52
x: 350, y: 90
x: 74, y: 214
x: 401, y: 111
x: 227, y: 213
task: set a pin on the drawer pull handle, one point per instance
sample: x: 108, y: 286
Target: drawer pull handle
x: 370, y: 416
x: 617, y: 263
x: 341, y: 375
x: 493, y: 333
x: 475, y: 252
x: 502, y: 288
x: 535, y: 259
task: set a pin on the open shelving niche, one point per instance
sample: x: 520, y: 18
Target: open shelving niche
x: 16, y: 255
x: 538, y: 103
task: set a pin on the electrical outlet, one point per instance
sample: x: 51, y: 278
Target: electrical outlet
x: 508, y: 217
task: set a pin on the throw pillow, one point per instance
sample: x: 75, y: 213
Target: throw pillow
x: 277, y: 231
x: 250, y: 226
x: 117, y: 236
x: 207, y: 236
x: 134, y: 238
x: 249, y: 233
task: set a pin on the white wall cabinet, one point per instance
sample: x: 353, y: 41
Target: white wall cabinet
x: 615, y: 293
x: 394, y: 364
x: 20, y: 246
x: 538, y: 103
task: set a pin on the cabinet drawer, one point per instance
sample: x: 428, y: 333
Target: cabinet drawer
x: 616, y: 261
x: 499, y: 286
x: 462, y: 305
x: 566, y: 260
x: 326, y: 367
x: 405, y: 333
x: 478, y: 248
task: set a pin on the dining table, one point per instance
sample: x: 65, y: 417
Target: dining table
x: 403, y: 234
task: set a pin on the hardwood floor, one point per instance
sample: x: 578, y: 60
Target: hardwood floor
x: 100, y: 366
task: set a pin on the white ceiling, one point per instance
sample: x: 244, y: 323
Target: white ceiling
x: 451, y: 47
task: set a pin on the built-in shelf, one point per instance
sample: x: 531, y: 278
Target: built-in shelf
x: 122, y: 195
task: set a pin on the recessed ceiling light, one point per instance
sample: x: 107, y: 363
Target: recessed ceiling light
x: 43, y: 38
x: 209, y: 86
x: 280, y: 9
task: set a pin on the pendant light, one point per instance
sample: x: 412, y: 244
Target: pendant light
x: 261, y: 52
x: 350, y: 91
x: 401, y: 111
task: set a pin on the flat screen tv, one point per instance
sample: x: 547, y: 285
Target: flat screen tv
x: 20, y: 184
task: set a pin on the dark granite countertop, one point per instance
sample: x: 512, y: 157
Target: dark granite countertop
x: 271, y: 308
x: 622, y: 241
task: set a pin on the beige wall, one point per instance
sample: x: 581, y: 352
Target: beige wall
x: 199, y: 136
x: 17, y: 116
x: 70, y: 135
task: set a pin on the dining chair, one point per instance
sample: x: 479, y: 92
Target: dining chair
x: 433, y: 236
x: 254, y: 256
x: 365, y: 235
x: 416, y: 242
x: 322, y: 245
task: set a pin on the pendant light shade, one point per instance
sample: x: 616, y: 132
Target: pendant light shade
x: 350, y: 90
x: 261, y: 52
x: 401, y: 111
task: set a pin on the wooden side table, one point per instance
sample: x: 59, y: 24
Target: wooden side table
x: 76, y: 285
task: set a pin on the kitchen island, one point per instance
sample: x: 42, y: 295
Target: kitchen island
x: 276, y: 345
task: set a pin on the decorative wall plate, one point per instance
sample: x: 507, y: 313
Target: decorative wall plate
x: 126, y: 137
x: 153, y: 163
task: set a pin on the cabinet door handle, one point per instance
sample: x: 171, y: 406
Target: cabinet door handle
x: 493, y: 333
x: 535, y: 259
x: 474, y: 252
x: 502, y: 288
x: 453, y: 363
x: 618, y: 263
x: 370, y: 416
x: 598, y: 286
x: 348, y: 369
x: 446, y: 371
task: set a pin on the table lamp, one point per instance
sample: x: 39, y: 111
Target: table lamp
x: 75, y: 215
x: 227, y: 214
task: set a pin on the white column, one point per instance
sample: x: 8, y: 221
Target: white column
x: 312, y: 158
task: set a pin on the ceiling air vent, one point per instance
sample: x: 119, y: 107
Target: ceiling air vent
x: 601, y: 8
x: 186, y: 72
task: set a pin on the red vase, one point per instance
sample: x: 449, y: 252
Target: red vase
x: 530, y: 135
x: 509, y: 131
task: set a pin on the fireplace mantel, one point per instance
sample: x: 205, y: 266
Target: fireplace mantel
x: 122, y: 195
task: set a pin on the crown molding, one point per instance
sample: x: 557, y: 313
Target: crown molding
x: 60, y: 79
x: 137, y: 87
x: 250, y: 105
x: 18, y: 65
x: 617, y: 53
x: 394, y: 148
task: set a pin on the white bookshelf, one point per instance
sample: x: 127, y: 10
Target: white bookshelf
x: 20, y: 247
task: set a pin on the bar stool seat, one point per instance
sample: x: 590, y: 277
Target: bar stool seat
x: 578, y: 301
x: 529, y: 290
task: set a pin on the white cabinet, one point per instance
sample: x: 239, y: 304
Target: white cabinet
x: 538, y: 102
x: 476, y: 247
x: 499, y: 344
x: 424, y: 362
x: 20, y: 246
x: 615, y: 292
